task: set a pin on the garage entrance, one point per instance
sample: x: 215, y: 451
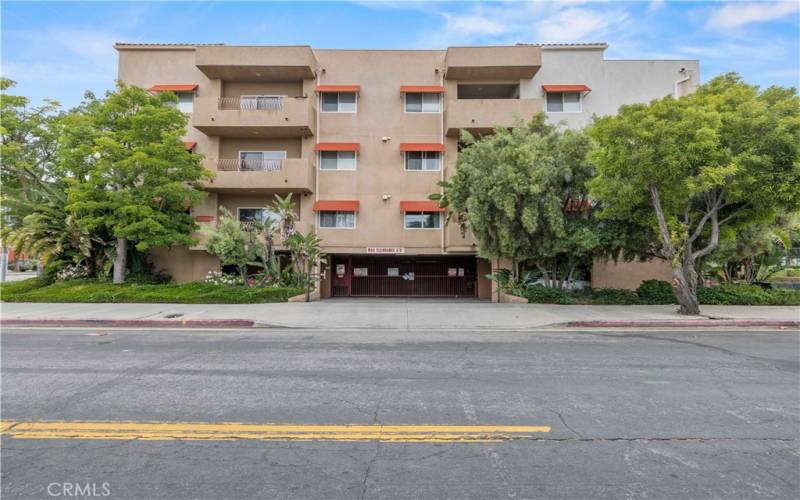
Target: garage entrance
x: 393, y: 276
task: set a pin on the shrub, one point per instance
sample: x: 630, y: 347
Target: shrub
x: 656, y: 292
x: 537, y: 294
x: 612, y: 296
x: 91, y: 291
x: 220, y: 278
x: 73, y: 272
x: 747, y: 295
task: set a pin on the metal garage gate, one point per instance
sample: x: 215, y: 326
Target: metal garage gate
x: 404, y: 277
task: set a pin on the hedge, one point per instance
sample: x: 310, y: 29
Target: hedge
x: 660, y: 292
x: 35, y: 290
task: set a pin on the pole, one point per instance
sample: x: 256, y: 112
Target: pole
x: 3, y: 265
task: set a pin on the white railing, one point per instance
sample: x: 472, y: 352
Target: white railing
x: 250, y: 165
x: 255, y: 103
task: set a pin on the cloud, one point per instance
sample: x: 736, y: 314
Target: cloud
x: 735, y: 15
x: 579, y: 24
x: 655, y: 5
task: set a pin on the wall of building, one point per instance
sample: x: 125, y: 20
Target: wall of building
x: 236, y: 89
x: 182, y: 264
x: 629, y: 275
x: 230, y: 147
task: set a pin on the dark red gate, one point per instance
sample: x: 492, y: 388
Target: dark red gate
x: 405, y: 277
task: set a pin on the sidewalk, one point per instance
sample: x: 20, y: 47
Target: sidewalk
x: 417, y: 314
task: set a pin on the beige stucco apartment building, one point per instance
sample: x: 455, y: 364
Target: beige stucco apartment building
x: 361, y: 138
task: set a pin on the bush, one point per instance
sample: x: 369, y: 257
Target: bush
x: 744, y: 295
x: 656, y: 292
x: 98, y: 291
x: 15, y: 288
x: 537, y: 294
x: 610, y: 296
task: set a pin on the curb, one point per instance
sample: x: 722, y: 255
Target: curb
x: 687, y: 323
x: 133, y: 323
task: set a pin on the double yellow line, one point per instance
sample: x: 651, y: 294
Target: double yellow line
x: 165, y: 431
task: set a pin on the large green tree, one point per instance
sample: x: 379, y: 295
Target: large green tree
x: 131, y: 174
x: 684, y: 168
x: 522, y: 193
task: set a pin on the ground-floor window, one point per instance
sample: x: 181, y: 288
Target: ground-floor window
x: 423, y: 220
x: 337, y: 220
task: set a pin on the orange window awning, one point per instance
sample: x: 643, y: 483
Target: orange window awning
x: 336, y: 206
x: 420, y: 206
x: 188, y: 87
x: 204, y: 218
x: 337, y: 146
x: 421, y: 146
x: 338, y: 88
x: 424, y: 89
x: 189, y: 145
x: 566, y: 88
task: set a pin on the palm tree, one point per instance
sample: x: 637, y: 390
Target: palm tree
x: 284, y: 208
x: 306, y: 251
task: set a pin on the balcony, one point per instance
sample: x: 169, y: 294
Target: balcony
x: 492, y: 63
x: 252, y: 117
x: 303, y: 227
x: 256, y: 64
x: 296, y: 175
x: 480, y: 116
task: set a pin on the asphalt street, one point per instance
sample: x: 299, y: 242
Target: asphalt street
x: 636, y: 414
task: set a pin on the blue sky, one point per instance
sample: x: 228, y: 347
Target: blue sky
x: 61, y: 49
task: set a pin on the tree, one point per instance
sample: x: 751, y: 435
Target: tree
x: 306, y: 251
x: 232, y: 244
x: 284, y: 209
x: 522, y: 193
x: 686, y: 167
x: 132, y: 176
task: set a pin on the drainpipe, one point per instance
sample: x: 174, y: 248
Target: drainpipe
x: 686, y: 78
x: 441, y: 174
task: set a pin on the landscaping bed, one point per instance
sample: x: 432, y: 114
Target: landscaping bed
x: 37, y: 290
x: 660, y: 292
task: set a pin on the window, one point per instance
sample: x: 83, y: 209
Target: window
x: 338, y: 102
x: 185, y: 102
x: 337, y: 220
x: 261, y: 102
x: 423, y: 160
x: 261, y: 161
x: 423, y: 220
x: 337, y: 160
x: 417, y: 102
x: 563, y: 102
x: 256, y: 214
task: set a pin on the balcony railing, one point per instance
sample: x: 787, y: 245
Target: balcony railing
x: 250, y: 165
x: 255, y: 103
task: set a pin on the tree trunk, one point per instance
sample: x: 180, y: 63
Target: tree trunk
x: 243, y: 274
x: 120, y: 260
x: 684, y: 283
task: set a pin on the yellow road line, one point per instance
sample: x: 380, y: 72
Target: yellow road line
x: 165, y: 431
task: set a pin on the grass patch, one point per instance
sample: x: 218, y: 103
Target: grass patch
x: 34, y: 290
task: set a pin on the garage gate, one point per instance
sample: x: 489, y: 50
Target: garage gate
x: 358, y: 276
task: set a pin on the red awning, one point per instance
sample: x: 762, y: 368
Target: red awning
x: 421, y: 146
x: 425, y: 89
x: 204, y: 218
x: 336, y: 206
x: 338, y: 88
x: 337, y: 146
x: 188, y: 87
x: 189, y: 145
x: 420, y: 206
x: 566, y: 88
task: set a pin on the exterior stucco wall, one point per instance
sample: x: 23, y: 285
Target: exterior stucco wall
x: 610, y: 274
x: 229, y: 147
x: 182, y: 264
x: 236, y: 89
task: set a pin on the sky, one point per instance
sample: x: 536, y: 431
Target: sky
x: 59, y: 50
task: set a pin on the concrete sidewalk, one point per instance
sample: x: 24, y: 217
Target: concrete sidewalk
x: 416, y: 314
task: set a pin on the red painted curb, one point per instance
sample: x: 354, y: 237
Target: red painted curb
x: 137, y: 323
x: 685, y: 323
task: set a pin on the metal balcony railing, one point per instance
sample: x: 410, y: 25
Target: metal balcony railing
x: 251, y: 103
x: 250, y: 165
